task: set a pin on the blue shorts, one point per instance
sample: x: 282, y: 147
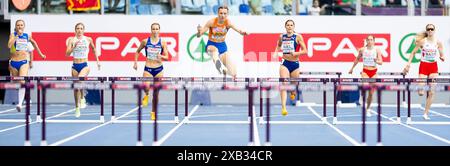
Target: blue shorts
x: 290, y: 65
x: 17, y: 64
x: 154, y: 71
x: 222, y: 46
x: 79, y: 66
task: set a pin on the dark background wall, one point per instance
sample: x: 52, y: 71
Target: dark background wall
x: 4, y: 52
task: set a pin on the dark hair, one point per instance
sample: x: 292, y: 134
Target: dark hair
x: 288, y: 21
x: 15, y: 29
x: 222, y: 7
x: 79, y: 24
x: 368, y: 38
x: 155, y: 24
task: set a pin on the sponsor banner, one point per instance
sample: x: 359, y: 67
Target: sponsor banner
x: 111, y: 46
x: 322, y: 47
x: 332, y: 43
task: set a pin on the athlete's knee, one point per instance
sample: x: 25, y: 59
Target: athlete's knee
x: 431, y: 93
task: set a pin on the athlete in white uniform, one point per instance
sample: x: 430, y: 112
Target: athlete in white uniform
x: 371, y: 58
x: 431, y: 48
x: 78, y: 47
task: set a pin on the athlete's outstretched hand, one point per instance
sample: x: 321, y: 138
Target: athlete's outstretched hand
x: 243, y: 33
x: 199, y: 28
x: 135, y: 66
x: 98, y: 65
x: 406, y: 69
x: 442, y: 58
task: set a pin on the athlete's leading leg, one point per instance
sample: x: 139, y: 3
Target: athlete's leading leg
x: 369, y: 96
x: 430, y: 97
x: 294, y: 74
x: 213, y: 52
x: 231, y: 68
x: 146, y: 90
x: 155, y: 98
x: 284, y: 73
x: 83, y: 73
x: 23, y: 71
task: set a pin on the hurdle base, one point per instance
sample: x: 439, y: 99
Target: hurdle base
x: 139, y: 143
x: 324, y: 120
x: 44, y: 143
x: 186, y: 120
x: 399, y: 120
x: 113, y: 118
x: 27, y: 143
x: 363, y: 144
x: 155, y: 143
x: 261, y: 120
x: 38, y: 119
x: 267, y: 144
x: 408, y: 120
x: 176, y: 120
x: 102, y: 119
x: 251, y: 144
x: 29, y: 119
x: 335, y: 120
x: 379, y: 144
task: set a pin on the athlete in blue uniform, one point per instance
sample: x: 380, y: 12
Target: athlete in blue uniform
x: 155, y: 52
x: 292, y: 46
x: 18, y: 44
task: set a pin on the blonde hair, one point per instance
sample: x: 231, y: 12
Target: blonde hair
x: 422, y: 35
x: 15, y: 27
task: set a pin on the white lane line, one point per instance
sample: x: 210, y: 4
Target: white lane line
x: 91, y: 129
x: 15, y: 127
x: 257, y: 141
x: 437, y: 113
x: 165, y: 137
x: 348, y: 138
x: 7, y: 110
x: 416, y: 129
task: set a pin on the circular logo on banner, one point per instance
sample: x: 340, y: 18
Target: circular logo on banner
x: 21, y: 4
x: 407, y: 45
x: 196, y: 48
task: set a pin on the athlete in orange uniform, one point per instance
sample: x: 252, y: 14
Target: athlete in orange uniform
x: 371, y: 57
x: 216, y: 46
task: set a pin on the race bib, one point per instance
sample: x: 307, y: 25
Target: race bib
x: 429, y: 55
x: 287, y: 46
x: 152, y: 53
x: 80, y: 49
x: 21, y: 44
x: 369, y: 61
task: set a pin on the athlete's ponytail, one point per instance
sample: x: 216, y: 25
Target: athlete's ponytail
x: 423, y: 34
